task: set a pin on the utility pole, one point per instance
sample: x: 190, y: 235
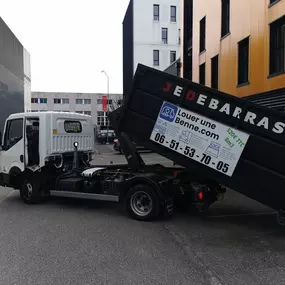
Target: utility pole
x: 103, y: 71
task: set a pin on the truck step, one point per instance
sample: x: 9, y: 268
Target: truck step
x: 88, y: 196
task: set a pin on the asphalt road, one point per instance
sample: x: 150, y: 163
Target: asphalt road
x: 74, y: 242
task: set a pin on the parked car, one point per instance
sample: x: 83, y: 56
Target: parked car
x: 118, y: 148
x: 103, y: 133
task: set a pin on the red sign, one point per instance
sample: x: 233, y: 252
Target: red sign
x: 104, y: 103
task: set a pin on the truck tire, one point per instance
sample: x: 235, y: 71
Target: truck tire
x: 30, y: 191
x: 142, y: 203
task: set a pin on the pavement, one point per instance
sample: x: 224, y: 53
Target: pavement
x: 67, y: 241
x: 104, y: 148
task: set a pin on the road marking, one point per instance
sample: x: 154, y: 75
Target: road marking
x: 242, y: 215
x: 7, y: 196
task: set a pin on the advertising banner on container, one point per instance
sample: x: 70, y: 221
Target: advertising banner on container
x: 104, y: 103
x: 202, y: 139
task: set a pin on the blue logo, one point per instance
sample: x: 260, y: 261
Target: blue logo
x: 168, y: 112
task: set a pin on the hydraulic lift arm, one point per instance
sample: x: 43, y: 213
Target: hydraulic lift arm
x: 133, y: 157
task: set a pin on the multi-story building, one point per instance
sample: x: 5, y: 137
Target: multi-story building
x: 151, y: 36
x: 236, y: 46
x: 84, y: 103
x: 15, y: 75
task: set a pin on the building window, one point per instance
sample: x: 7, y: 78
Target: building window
x: 203, y: 34
x: 172, y: 56
x: 173, y: 13
x: 60, y: 101
x: 156, y: 12
x: 243, y: 61
x: 215, y: 72
x: 43, y: 100
x: 225, y: 17
x: 102, y: 118
x: 34, y: 100
x: 86, y: 101
x: 65, y: 101
x: 202, y: 73
x: 179, y: 36
x: 79, y: 112
x: 87, y: 113
x: 273, y: 1
x: 277, y: 43
x: 164, y: 35
x: 99, y: 101
x: 78, y: 101
x: 156, y: 57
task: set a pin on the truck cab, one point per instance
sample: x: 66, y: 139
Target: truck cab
x: 33, y: 140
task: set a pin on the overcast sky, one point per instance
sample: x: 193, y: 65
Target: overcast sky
x: 70, y: 42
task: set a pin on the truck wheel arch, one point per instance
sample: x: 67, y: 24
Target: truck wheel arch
x: 141, y: 181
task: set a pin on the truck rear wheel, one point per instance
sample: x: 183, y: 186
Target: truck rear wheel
x: 142, y: 203
x: 30, y: 191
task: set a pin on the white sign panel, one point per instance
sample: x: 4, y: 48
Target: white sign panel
x: 204, y: 140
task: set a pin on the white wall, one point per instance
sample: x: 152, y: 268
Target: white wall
x: 147, y: 32
x: 27, y: 80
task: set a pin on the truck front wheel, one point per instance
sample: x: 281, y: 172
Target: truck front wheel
x: 30, y: 191
x: 142, y: 203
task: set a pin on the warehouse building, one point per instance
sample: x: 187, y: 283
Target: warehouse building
x: 92, y: 104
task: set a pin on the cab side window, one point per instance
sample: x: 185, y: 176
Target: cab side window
x: 14, y: 133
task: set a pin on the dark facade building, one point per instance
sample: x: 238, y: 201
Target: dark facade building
x: 187, y: 36
x: 15, y: 82
x: 128, y: 49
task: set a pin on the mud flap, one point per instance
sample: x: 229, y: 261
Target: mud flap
x: 168, y: 208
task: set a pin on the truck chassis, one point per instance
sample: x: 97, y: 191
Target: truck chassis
x: 146, y: 193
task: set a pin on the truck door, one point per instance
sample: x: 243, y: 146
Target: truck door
x: 32, y: 142
x: 12, y: 151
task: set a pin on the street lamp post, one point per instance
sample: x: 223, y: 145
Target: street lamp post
x: 103, y: 71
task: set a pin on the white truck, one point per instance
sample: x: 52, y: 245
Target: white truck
x: 33, y: 142
x: 48, y: 154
